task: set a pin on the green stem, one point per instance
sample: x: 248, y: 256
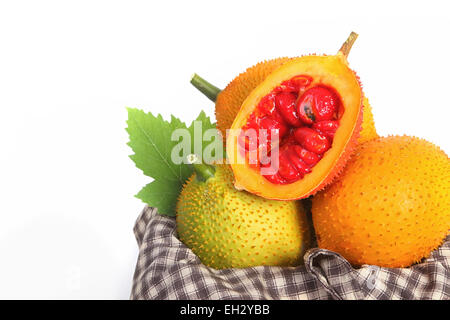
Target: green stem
x: 347, y: 46
x: 203, y: 171
x: 205, y: 87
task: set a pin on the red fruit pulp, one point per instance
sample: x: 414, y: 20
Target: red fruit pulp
x: 285, y: 103
x: 306, y: 118
x: 328, y: 128
x: 312, y: 140
x: 317, y: 104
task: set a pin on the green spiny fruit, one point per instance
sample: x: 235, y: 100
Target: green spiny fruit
x: 227, y: 228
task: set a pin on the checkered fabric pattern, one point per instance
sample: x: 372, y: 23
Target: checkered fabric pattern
x: 167, y: 269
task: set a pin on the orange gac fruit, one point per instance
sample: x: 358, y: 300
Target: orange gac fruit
x: 391, y: 205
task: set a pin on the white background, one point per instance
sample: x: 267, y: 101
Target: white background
x: 69, y: 68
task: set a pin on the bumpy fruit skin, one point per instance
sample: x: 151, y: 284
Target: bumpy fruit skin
x: 391, y: 205
x: 227, y: 228
x: 230, y: 100
x: 368, y: 130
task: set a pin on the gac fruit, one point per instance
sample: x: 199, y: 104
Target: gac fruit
x: 391, y: 205
x: 227, y: 228
x: 312, y: 105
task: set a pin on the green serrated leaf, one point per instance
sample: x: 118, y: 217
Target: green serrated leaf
x: 150, y: 139
x: 161, y: 195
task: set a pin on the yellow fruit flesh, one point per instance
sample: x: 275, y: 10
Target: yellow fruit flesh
x: 391, y: 205
x: 227, y: 228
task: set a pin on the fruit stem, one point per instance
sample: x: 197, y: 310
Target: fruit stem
x: 203, y: 171
x: 205, y: 87
x: 347, y: 46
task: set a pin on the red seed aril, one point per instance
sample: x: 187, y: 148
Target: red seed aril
x: 299, y: 164
x: 311, y: 140
x: 327, y: 127
x: 286, y: 169
x: 310, y: 158
x: 317, y: 104
x: 285, y: 104
x: 269, y: 124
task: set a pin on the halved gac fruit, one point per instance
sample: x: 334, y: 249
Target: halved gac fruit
x: 313, y: 105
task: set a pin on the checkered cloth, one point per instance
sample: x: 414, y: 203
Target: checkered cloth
x: 167, y: 269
